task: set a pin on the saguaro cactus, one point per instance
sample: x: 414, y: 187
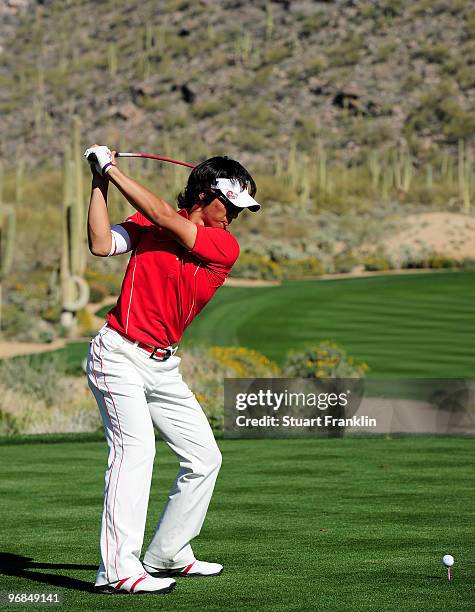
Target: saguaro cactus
x: 375, y: 168
x: 112, y: 58
x: 464, y: 172
x: 269, y: 21
x: 74, y: 288
x: 403, y: 168
x: 7, y: 240
x: 322, y: 166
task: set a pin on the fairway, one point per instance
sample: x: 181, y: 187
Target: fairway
x: 333, y: 525
x: 408, y: 325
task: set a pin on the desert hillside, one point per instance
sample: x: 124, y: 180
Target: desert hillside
x: 356, y: 117
x: 232, y: 76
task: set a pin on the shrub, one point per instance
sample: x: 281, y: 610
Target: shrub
x: 275, y: 189
x: 305, y: 266
x: 313, y: 23
x: 249, y: 139
x: 14, y: 321
x: 348, y: 52
x: 368, y: 10
x: 373, y: 263
x: 433, y: 52
x: 386, y: 51
x: 439, y: 108
x: 326, y: 360
x: 10, y: 425
x: 22, y: 319
x: 415, y: 262
x: 101, y: 282
x: 470, y: 25
x: 97, y: 293
x: 457, y: 67
x: 246, y: 363
x: 276, y: 54
x: 257, y: 267
x: 85, y: 323
x: 52, y: 314
x: 315, y: 65
x: 74, y: 410
x: 422, y: 259
x: 175, y: 120
x: 441, y: 261
x: 276, y: 250
x: 34, y: 375
x: 460, y: 124
x: 205, y: 369
x: 369, y: 132
x: 344, y: 262
x: 392, y: 8
x: 257, y: 115
x: 151, y: 104
x: 207, y: 108
x: 178, y: 5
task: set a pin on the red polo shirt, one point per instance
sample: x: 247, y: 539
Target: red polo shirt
x: 165, y: 285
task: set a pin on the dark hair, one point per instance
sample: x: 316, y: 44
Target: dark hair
x: 204, y: 175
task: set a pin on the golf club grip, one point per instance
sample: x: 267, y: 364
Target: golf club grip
x: 92, y: 158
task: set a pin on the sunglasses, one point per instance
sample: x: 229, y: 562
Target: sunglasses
x: 230, y: 207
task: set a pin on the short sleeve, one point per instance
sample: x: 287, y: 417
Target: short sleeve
x: 134, y: 225
x: 215, y: 246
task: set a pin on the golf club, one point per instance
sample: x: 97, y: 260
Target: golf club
x: 157, y: 157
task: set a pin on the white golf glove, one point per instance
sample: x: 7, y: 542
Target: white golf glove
x: 101, y: 157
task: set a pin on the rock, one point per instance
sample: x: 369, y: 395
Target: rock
x: 141, y: 90
x: 17, y: 4
x: 352, y: 97
x: 285, y: 4
x: 316, y: 86
x: 126, y: 112
x: 187, y: 94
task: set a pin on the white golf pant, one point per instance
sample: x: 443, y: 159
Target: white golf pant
x: 135, y: 393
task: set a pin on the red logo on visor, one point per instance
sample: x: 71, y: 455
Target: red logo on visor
x: 231, y: 195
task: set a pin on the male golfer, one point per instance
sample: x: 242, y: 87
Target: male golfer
x: 178, y: 261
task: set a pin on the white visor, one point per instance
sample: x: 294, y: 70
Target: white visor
x: 231, y: 188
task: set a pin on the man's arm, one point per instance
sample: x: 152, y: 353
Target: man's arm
x: 154, y: 208
x: 98, y: 225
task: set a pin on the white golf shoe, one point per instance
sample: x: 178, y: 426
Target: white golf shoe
x: 195, y: 569
x: 143, y: 583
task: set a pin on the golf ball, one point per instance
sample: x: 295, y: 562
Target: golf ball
x: 448, y: 560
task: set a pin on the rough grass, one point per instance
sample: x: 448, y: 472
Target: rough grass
x: 37, y: 395
x: 337, y: 525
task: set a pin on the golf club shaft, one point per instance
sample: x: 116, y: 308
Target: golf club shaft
x: 158, y: 157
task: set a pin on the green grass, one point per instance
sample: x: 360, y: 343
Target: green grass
x: 407, y: 325
x: 413, y: 325
x: 337, y: 525
x: 103, y: 311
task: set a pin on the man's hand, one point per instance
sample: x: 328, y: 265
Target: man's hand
x: 101, y: 158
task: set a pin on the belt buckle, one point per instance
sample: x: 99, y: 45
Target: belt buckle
x: 166, y: 354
